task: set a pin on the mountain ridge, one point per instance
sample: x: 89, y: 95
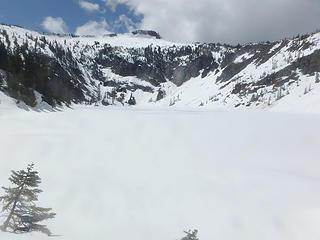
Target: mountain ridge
x: 130, y: 69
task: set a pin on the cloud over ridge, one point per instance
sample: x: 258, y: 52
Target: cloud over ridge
x: 54, y: 25
x: 230, y: 21
x: 93, y: 28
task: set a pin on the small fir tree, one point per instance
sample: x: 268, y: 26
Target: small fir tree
x: 191, y: 235
x: 99, y: 97
x: 269, y: 101
x: 317, y: 78
x: 132, y: 100
x: 113, y: 95
x: 22, y: 214
x: 279, y: 94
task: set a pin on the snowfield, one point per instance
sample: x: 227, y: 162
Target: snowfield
x: 142, y: 174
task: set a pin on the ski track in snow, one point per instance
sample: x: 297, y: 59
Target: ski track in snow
x: 138, y: 173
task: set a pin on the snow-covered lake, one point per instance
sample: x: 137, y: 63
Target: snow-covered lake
x: 141, y: 174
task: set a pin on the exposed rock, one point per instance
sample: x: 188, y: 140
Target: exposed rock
x: 147, y: 33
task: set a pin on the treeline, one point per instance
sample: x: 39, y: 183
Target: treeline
x: 28, y: 69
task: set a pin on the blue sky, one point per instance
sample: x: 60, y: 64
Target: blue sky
x: 31, y: 13
x: 227, y: 21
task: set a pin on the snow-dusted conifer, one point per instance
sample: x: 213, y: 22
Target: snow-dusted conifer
x: 288, y: 91
x: 99, y: 97
x: 269, y: 101
x: 172, y: 102
x: 317, y: 78
x: 113, y: 95
x: 22, y: 214
x: 191, y: 235
x: 279, y: 94
x: 253, y: 98
x: 132, y: 100
x: 274, y: 64
x: 299, y: 54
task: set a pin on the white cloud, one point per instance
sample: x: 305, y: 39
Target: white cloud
x: 112, y: 3
x: 88, y: 6
x: 54, y: 25
x: 124, y: 21
x: 93, y: 28
x: 225, y: 20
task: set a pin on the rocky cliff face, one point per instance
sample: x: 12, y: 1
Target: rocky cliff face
x: 140, y: 68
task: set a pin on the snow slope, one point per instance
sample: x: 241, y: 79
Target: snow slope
x: 142, y: 174
x: 207, y: 94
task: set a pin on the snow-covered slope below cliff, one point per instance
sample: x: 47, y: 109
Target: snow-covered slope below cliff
x: 206, y: 93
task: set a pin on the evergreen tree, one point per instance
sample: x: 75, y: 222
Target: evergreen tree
x: 99, y: 97
x: 317, y: 77
x: 4, y: 63
x: 132, y: 100
x: 19, y: 203
x: 279, y: 94
x: 113, y: 95
x: 191, y: 235
x: 269, y: 101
